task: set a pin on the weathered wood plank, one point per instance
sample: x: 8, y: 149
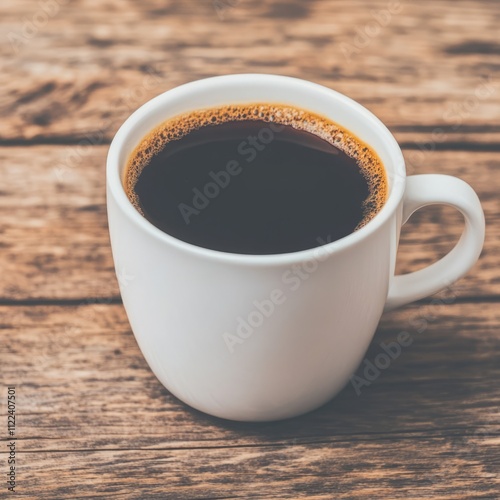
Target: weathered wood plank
x: 93, y: 421
x: 82, y: 384
x: 406, y: 468
x: 54, y: 227
x: 92, y: 418
x: 84, y: 68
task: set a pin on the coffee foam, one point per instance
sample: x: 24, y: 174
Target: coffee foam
x: 179, y: 126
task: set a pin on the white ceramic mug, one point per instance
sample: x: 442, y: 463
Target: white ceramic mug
x: 266, y: 337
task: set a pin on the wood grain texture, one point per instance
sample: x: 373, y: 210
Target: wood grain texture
x: 403, y: 468
x: 79, y: 351
x: 54, y: 226
x: 89, y: 408
x: 83, y: 69
x: 93, y: 421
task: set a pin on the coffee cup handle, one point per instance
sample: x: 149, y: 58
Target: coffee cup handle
x: 429, y: 189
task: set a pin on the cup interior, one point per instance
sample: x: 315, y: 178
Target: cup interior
x: 259, y: 88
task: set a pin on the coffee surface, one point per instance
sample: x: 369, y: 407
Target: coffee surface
x: 255, y: 179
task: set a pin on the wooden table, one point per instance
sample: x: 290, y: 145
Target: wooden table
x: 91, y: 419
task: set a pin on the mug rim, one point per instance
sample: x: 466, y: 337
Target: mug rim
x: 116, y: 188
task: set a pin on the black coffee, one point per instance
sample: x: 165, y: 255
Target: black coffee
x: 255, y: 179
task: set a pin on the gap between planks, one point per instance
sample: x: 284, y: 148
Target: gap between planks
x: 116, y: 300
x: 492, y: 147
x: 374, y: 437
